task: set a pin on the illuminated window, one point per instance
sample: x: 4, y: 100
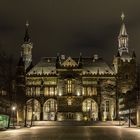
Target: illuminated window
x: 55, y: 91
x: 89, y: 93
x: 69, y: 101
x: 69, y: 86
x: 28, y: 91
x: 51, y: 91
x: 31, y: 91
x: 33, y: 105
x: 50, y: 106
x: 37, y: 91
x: 83, y: 92
x: 90, y: 106
x: 46, y: 93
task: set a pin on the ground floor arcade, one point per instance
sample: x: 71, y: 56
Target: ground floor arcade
x: 89, y: 110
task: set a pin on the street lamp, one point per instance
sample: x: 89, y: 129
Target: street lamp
x: 25, y: 117
x: 88, y: 113
x: 32, y: 117
x: 13, y: 111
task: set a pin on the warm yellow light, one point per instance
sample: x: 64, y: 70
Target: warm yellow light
x: 78, y: 94
x: 13, y: 108
x: 85, y: 118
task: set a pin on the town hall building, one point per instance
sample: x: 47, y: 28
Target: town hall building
x: 74, y: 88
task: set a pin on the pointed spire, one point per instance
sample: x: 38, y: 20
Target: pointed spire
x: 27, y: 37
x: 80, y: 56
x: 80, y: 60
x: 58, y: 61
x: 42, y: 71
x: 122, y: 16
x: 123, y: 31
x: 123, y: 37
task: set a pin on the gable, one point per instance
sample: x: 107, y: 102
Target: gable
x: 69, y: 62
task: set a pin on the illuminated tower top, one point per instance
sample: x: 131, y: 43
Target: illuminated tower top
x: 123, y: 38
x: 26, y: 51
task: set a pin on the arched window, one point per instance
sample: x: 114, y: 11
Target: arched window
x: 49, y: 109
x: 50, y: 105
x: 90, y: 108
x: 33, y: 108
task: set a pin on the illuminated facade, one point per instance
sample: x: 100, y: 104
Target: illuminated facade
x: 67, y: 88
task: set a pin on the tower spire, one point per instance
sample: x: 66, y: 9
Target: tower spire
x: 26, y: 48
x: 122, y: 16
x: 123, y: 37
x: 123, y: 28
x: 27, y: 37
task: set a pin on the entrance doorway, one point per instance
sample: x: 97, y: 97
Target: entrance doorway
x: 90, y: 109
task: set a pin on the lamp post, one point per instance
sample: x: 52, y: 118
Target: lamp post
x: 13, y: 111
x: 88, y: 113
x: 33, y: 103
x: 32, y: 117
x: 129, y: 117
x: 25, y: 117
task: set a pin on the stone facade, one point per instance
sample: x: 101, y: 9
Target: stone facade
x: 75, y: 88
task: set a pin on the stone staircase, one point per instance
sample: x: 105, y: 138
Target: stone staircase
x: 74, y: 123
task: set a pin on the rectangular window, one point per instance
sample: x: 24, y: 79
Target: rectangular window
x: 69, y: 86
x: 83, y: 93
x: 46, y: 91
x: 38, y: 90
x: 51, y: 91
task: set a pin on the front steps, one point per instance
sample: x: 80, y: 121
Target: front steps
x: 74, y: 123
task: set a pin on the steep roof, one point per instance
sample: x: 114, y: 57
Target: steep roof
x: 44, y: 66
x: 47, y: 65
x: 95, y: 66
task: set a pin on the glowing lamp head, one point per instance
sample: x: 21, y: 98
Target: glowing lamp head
x: 13, y: 108
x: 78, y: 94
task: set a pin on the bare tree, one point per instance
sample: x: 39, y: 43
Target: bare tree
x: 7, y: 73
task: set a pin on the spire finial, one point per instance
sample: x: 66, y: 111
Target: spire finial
x: 26, y: 37
x: 123, y: 37
x: 27, y: 23
x: 122, y: 16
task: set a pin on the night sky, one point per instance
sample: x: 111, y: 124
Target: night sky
x: 69, y: 26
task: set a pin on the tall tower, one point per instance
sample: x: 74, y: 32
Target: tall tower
x: 26, y: 48
x: 124, y: 62
x: 123, y: 38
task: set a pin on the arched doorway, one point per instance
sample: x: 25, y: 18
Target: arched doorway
x: 108, y: 109
x: 90, y: 109
x: 50, y: 109
x: 33, y: 108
